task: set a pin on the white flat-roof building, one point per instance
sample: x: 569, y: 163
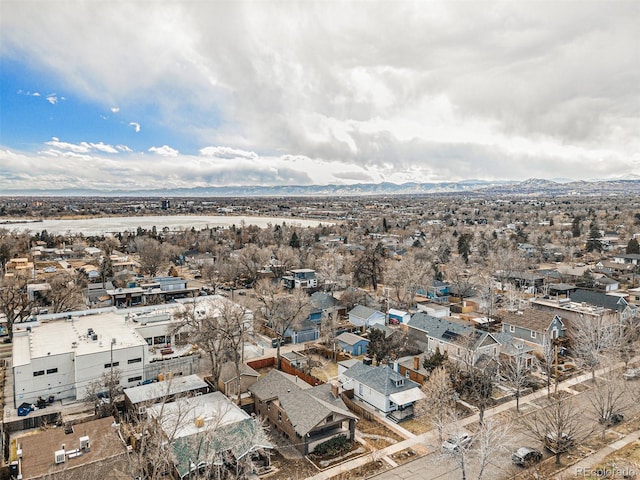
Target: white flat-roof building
x: 60, y: 355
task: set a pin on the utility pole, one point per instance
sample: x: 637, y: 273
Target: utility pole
x: 555, y: 354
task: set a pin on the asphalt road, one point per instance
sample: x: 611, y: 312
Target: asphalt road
x: 437, y: 465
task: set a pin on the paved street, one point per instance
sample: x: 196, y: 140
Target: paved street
x: 435, y: 465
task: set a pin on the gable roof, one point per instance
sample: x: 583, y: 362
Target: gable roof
x: 534, y: 319
x: 350, y: 338
x: 382, y: 379
x: 450, y: 332
x: 305, y: 406
x: 323, y: 300
x: 275, y: 383
x: 361, y: 311
x: 599, y: 299
x: 228, y: 371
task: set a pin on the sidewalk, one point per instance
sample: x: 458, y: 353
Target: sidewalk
x: 586, y: 464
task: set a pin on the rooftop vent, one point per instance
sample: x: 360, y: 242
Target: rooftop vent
x: 59, y: 456
x: 84, y: 443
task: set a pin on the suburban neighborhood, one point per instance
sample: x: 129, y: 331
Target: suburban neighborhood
x: 472, y: 338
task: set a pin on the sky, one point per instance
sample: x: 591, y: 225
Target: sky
x: 165, y: 93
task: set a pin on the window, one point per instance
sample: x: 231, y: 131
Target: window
x: 360, y: 390
x: 134, y: 379
x: 52, y: 370
x: 406, y: 373
x: 279, y: 416
x: 512, y: 328
x: 400, y: 382
x: 134, y: 360
x: 533, y: 334
x: 149, y: 340
x: 38, y: 373
x: 109, y: 365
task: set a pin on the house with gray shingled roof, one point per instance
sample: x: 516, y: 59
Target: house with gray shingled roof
x: 384, y: 389
x: 461, y: 342
x: 307, y: 416
x: 361, y: 315
x: 534, y: 326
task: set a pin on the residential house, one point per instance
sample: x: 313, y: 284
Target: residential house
x: 352, y: 343
x: 324, y: 304
x: 629, y: 258
x: 534, y: 326
x: 362, y: 316
x: 307, y: 416
x: 589, y: 303
x: 304, y: 278
x: 461, y: 342
x: 384, y: 389
x: 209, y: 431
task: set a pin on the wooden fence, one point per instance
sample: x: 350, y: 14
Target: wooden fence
x: 359, y: 410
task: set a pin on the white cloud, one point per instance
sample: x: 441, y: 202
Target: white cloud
x: 165, y: 151
x: 115, y: 109
x: 83, y: 147
x: 52, y: 98
x: 462, y: 89
x: 227, y: 152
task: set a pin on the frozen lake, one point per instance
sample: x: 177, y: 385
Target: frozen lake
x: 99, y: 226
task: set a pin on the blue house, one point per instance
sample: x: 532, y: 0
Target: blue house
x: 352, y: 343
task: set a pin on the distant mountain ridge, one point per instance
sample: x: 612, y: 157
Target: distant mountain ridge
x: 529, y: 187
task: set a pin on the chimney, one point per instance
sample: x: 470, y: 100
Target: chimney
x: 334, y: 390
x: 416, y: 363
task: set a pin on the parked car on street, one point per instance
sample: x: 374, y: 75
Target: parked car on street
x: 613, y: 419
x: 526, y: 456
x: 457, y: 442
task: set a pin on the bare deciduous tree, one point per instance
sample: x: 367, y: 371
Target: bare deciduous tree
x: 515, y: 372
x: 609, y: 398
x: 408, y: 276
x: 283, y: 310
x: 65, y: 294
x: 151, y: 253
x: 440, y: 399
x: 206, y: 327
x: 102, y: 393
x: 559, y: 425
x: 592, y: 339
x: 14, y: 300
x: 369, y: 267
x: 489, y: 441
